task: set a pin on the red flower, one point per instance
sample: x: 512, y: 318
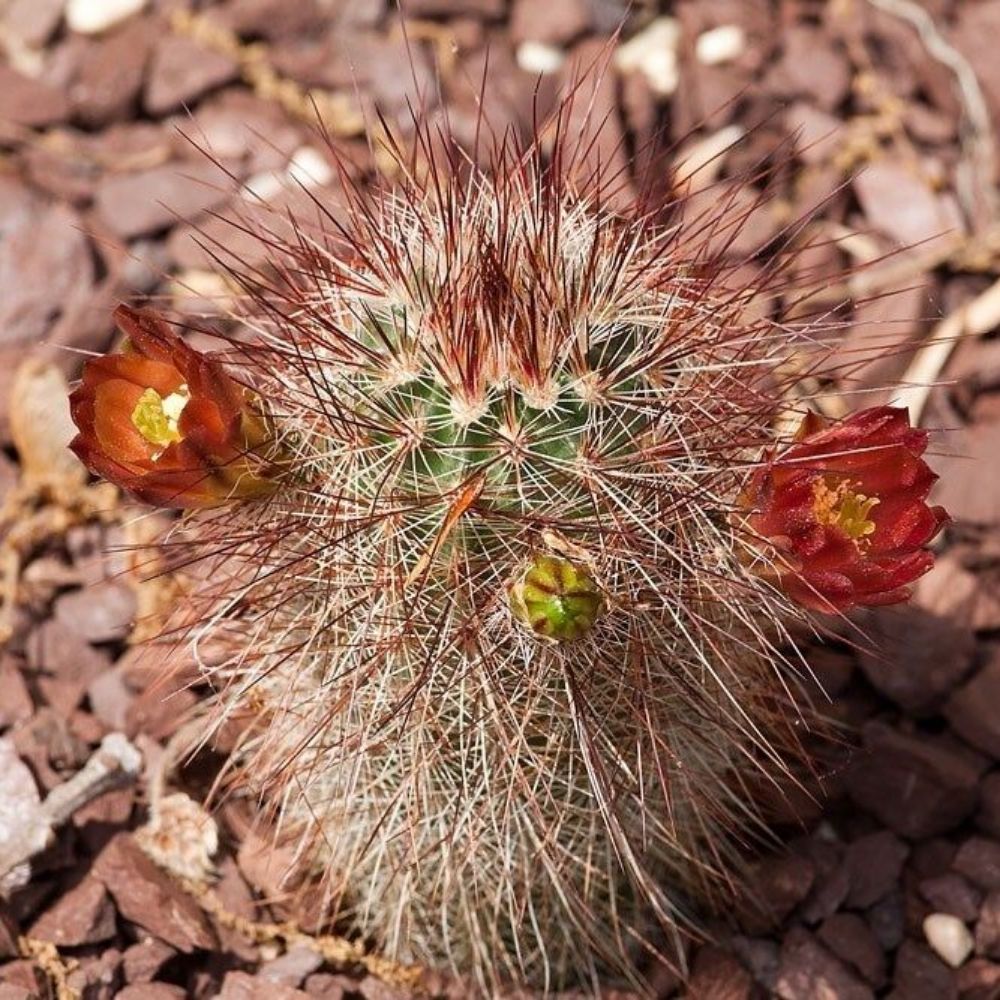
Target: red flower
x: 166, y: 423
x: 844, y: 509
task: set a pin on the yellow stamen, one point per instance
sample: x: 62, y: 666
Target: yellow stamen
x: 156, y: 417
x: 844, y: 507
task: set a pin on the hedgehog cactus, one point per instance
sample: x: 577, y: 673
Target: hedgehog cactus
x: 512, y: 665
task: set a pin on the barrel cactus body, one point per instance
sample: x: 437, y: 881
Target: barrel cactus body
x: 507, y: 670
x: 513, y: 673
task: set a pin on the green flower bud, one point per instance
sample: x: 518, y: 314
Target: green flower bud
x: 557, y: 599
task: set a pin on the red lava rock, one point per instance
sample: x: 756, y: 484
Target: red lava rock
x: 831, y: 884
x: 10, y: 992
x: 97, y: 978
x: 485, y: 9
x: 902, y: 204
x: 969, y: 487
x: 243, y: 986
x: 553, y: 22
x: 147, y: 201
x: 873, y: 864
x: 595, y: 120
x: 110, y: 699
x: 931, y: 858
x: 776, y: 886
x: 152, y: 991
x: 851, y: 940
x: 101, y: 613
x: 916, y: 786
x: 978, y: 859
x: 150, y: 898
x: 63, y: 696
x: 8, y: 934
x: 811, y: 66
x: 236, y: 897
x: 59, y: 649
x: 952, y: 894
x: 143, y: 961
x: 329, y: 987
x: 919, y: 975
x: 158, y: 712
x: 181, y: 71
x: 375, y: 989
x: 28, y: 102
x: 718, y: 976
x: 31, y: 22
x: 86, y: 728
x: 101, y: 817
x: 760, y: 956
x: 273, y: 19
x: 50, y: 746
x: 808, y: 971
x: 873, y: 352
x: 831, y: 668
x: 818, y: 135
x: 291, y: 968
x: 972, y: 710
x: 82, y: 915
x: 269, y: 869
x: 68, y: 173
x: 15, y: 699
x: 951, y: 591
x: 988, y: 817
x: 231, y: 235
x: 979, y: 979
x: 239, y: 128
x: 887, y: 919
x: 45, y: 261
x: 21, y: 975
x: 988, y: 926
x: 914, y: 658
x: 111, y: 73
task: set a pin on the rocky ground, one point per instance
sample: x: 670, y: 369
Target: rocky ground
x: 886, y: 111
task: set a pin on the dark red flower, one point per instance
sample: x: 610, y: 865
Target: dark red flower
x: 845, y: 510
x: 165, y: 422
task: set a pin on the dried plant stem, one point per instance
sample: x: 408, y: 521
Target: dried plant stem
x: 973, y: 318
x: 115, y: 763
x: 56, y: 969
x: 337, y: 951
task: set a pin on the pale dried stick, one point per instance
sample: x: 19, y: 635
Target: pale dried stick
x: 975, y: 318
x: 114, y: 764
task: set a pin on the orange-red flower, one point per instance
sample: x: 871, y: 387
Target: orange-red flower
x: 845, y: 510
x: 165, y: 422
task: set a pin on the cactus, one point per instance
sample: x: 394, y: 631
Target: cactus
x: 514, y: 674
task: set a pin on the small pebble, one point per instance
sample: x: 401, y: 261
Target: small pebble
x: 949, y: 938
x: 91, y: 17
x: 720, y: 45
x: 307, y: 168
x: 537, y: 57
x: 653, y: 52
